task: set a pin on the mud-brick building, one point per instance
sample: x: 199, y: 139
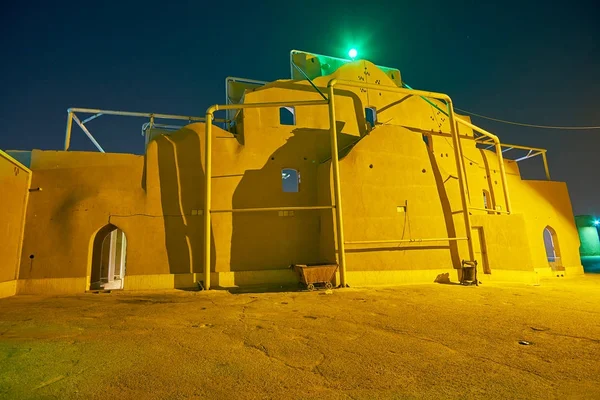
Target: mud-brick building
x: 343, y: 163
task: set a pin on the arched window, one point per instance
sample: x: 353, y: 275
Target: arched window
x: 108, y: 259
x: 287, y: 116
x: 487, y: 202
x: 552, y: 249
x: 290, y: 179
x: 371, y: 116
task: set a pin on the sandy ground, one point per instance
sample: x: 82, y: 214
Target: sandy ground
x: 427, y: 341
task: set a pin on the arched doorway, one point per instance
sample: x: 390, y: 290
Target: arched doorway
x: 108, y: 259
x: 552, y: 249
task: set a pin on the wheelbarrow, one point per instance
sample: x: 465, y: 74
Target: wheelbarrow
x: 319, y: 274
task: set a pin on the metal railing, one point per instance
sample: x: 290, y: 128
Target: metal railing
x: 96, y: 113
x: 533, y: 152
x: 490, y: 137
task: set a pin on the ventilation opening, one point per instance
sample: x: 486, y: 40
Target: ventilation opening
x: 371, y: 116
x: 290, y: 179
x: 287, y: 116
x: 108, y: 259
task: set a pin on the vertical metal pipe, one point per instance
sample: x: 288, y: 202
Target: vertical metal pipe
x: 336, y: 186
x: 498, y: 147
x: 207, y: 193
x: 461, y: 182
x: 148, y: 131
x: 68, y: 132
x: 546, y: 165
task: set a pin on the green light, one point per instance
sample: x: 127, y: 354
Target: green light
x: 353, y: 53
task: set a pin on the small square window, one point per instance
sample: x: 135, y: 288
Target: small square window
x: 371, y: 116
x: 287, y: 116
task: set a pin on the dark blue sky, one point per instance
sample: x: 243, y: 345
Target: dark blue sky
x: 520, y: 61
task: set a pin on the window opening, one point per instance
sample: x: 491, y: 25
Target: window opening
x: 290, y: 179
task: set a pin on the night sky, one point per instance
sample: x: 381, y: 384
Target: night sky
x: 517, y: 61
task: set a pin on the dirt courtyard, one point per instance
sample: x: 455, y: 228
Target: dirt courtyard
x: 425, y: 341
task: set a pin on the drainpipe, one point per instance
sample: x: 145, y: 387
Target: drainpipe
x: 207, y: 192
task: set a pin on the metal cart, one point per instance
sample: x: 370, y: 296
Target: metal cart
x: 321, y: 274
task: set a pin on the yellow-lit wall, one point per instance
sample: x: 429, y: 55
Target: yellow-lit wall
x: 14, y: 185
x: 546, y: 203
x: 81, y: 193
x: 399, y: 181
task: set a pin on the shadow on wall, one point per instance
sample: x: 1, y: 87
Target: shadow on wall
x: 491, y: 188
x: 272, y: 239
x: 182, y: 189
x: 446, y: 206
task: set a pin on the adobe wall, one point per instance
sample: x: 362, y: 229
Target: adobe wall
x: 14, y: 181
x: 81, y: 193
x: 399, y: 180
x: 547, y: 203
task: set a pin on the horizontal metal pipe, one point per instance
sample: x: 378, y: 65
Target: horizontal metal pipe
x: 261, y: 209
x: 244, y: 80
x: 394, y: 89
x: 407, y: 240
x: 163, y: 126
x: 489, y: 209
x: 539, y: 153
x: 140, y: 114
x: 478, y: 129
x: 93, y: 117
x: 514, y: 146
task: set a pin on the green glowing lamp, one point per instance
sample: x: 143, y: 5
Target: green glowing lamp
x: 352, y: 53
